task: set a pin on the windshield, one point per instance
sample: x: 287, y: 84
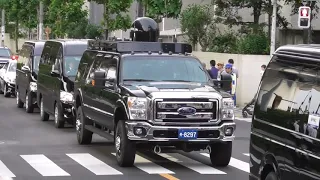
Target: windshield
x: 12, y: 67
x: 5, y: 53
x: 71, y: 64
x: 163, y: 68
x: 35, y: 65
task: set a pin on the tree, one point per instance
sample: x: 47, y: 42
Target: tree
x: 13, y: 9
x: 115, y: 16
x: 30, y: 14
x: 63, y: 15
x: 198, y: 24
x: 158, y: 9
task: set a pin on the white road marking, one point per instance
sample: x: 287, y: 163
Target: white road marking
x: 236, y: 163
x: 93, y: 164
x: 148, y: 166
x: 243, y: 119
x: 246, y: 154
x: 5, y: 171
x: 44, y: 165
x: 191, y: 164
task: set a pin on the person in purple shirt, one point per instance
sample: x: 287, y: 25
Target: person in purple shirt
x: 214, y: 70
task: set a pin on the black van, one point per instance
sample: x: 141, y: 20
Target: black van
x: 285, y: 143
x: 27, y: 72
x: 57, y: 70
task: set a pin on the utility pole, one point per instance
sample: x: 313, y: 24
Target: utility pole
x: 3, y: 23
x: 273, y: 28
x: 40, y: 35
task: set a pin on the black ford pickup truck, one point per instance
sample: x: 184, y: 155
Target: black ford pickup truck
x: 151, y: 95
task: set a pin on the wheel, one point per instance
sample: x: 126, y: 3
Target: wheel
x: 125, y: 149
x: 43, y: 115
x: 83, y: 135
x: 244, y: 114
x: 271, y: 176
x: 29, y: 104
x: 58, y: 117
x: 5, y: 92
x: 220, y: 154
x: 18, y: 100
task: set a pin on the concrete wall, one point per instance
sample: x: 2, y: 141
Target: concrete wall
x: 248, y: 67
x: 10, y: 43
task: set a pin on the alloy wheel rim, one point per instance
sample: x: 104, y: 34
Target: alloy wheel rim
x: 56, y: 113
x: 118, y: 145
x: 27, y: 106
x: 78, y: 125
x: 5, y: 89
x: 17, y: 98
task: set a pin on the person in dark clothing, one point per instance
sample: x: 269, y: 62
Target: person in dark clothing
x: 214, y: 70
x: 205, y: 68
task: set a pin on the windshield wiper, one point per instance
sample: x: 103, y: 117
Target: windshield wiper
x: 140, y: 80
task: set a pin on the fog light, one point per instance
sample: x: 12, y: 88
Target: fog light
x: 139, y: 131
x: 228, y: 131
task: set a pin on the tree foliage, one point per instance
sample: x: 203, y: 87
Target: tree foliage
x: 198, y: 24
x: 115, y: 16
x: 157, y: 9
x: 65, y: 14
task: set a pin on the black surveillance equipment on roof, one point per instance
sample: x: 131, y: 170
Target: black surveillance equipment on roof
x: 145, y: 29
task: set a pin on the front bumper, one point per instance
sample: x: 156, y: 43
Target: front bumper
x: 11, y: 88
x: 170, y: 133
x: 67, y: 110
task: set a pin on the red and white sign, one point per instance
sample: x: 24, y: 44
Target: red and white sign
x: 304, y: 12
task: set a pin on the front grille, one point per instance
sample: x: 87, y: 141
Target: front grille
x: 174, y: 133
x: 166, y: 110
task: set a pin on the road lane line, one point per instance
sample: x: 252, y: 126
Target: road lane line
x: 169, y: 177
x: 236, y: 163
x: 191, y: 164
x: 5, y: 171
x: 246, y: 154
x: 93, y: 164
x: 148, y: 166
x: 44, y: 165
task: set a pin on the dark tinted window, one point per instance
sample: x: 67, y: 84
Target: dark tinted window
x: 36, y: 61
x: 163, y: 68
x: 5, y: 52
x: 85, y: 63
x: 38, y: 49
x: 75, y: 49
x: 71, y: 64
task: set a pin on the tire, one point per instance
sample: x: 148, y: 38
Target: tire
x: 271, y: 176
x: 58, y: 116
x: 5, y: 93
x: 18, y: 100
x: 244, y: 114
x: 29, y: 104
x: 83, y: 135
x: 125, y: 149
x: 221, y: 154
x: 44, y: 116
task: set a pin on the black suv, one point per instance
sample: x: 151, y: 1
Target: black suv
x: 27, y: 72
x: 148, y: 95
x: 57, y: 71
x: 285, y: 138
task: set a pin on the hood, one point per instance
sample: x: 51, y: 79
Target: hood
x: 143, y: 89
x: 4, y: 59
x: 10, y: 74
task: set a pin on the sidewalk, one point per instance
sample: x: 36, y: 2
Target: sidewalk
x: 238, y: 115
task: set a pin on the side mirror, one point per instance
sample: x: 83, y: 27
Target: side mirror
x: 99, y: 78
x: 55, y: 73
x: 226, y: 82
x: 25, y: 68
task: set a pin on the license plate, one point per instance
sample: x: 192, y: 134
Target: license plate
x: 187, y: 134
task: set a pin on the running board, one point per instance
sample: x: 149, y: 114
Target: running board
x: 99, y: 132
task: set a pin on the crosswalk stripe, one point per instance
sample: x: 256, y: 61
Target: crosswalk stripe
x: 246, y: 154
x: 5, y: 171
x: 191, y: 164
x: 93, y: 164
x: 236, y: 163
x: 148, y: 166
x: 44, y: 165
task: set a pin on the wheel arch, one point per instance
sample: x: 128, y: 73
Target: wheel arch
x: 269, y: 165
x: 120, y: 112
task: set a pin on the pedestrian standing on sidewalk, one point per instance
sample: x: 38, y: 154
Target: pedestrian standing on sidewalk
x: 229, y: 70
x: 220, y: 70
x: 263, y: 68
x: 205, y: 68
x: 214, y: 70
x: 235, y: 71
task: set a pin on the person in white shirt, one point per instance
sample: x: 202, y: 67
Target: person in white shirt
x: 234, y: 69
x: 263, y: 68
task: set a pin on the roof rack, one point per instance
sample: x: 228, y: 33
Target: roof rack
x: 137, y: 46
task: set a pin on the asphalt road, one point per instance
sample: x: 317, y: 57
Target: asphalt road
x: 32, y: 150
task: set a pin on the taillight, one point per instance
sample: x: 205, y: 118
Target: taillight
x: 14, y: 57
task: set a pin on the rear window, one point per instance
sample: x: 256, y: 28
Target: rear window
x: 5, y: 52
x: 75, y: 49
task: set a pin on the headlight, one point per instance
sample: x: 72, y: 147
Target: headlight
x: 66, y: 97
x: 227, y: 111
x: 137, y: 108
x: 9, y: 79
x: 33, y: 86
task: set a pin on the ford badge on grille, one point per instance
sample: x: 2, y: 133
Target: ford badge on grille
x: 184, y: 111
